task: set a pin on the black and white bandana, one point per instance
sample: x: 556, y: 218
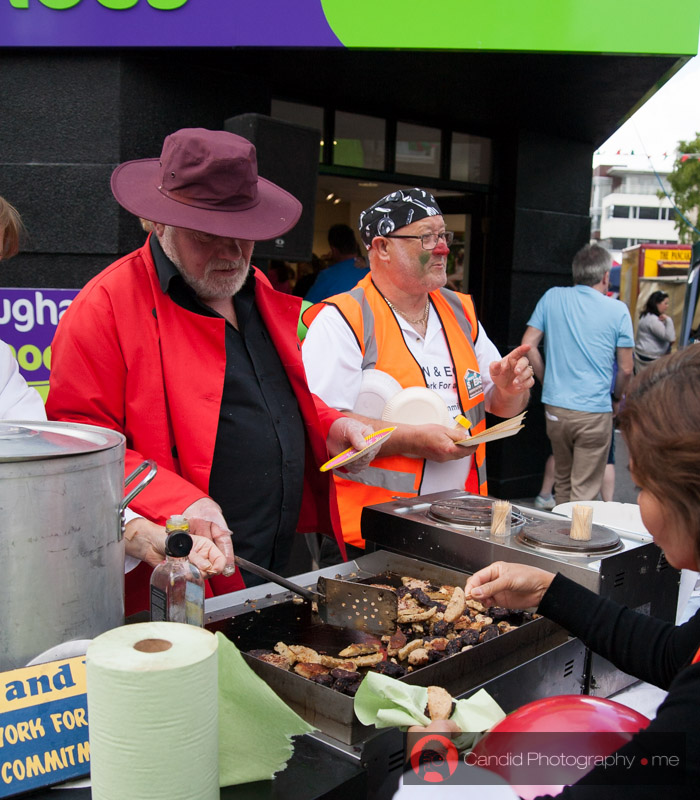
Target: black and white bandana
x: 395, y: 211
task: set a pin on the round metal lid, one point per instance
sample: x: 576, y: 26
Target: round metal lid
x: 469, y: 512
x: 24, y: 441
x: 553, y: 537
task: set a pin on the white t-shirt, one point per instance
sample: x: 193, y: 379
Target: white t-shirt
x: 333, y: 364
x: 17, y: 400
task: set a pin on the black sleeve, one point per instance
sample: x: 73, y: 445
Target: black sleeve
x: 678, y: 714
x: 648, y: 648
x: 655, y: 651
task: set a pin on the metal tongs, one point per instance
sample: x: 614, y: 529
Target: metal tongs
x: 344, y: 604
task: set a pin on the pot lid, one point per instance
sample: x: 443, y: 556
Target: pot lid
x: 23, y: 441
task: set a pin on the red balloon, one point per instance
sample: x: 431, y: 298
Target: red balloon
x: 602, y: 727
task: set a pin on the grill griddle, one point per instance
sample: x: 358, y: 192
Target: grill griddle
x: 332, y: 712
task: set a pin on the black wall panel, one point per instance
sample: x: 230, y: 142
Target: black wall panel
x: 288, y: 156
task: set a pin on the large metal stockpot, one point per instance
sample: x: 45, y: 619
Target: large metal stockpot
x: 61, y: 534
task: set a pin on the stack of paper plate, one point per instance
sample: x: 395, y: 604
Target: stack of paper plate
x: 376, y: 390
x: 418, y: 405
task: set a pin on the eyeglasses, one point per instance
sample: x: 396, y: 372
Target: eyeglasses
x: 428, y: 240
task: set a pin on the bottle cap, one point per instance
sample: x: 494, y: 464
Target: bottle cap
x: 178, y: 544
x: 177, y: 523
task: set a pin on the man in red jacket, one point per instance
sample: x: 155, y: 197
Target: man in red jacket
x: 188, y: 351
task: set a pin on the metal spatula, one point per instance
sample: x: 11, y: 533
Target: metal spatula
x: 344, y: 604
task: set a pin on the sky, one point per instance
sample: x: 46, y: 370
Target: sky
x: 671, y: 114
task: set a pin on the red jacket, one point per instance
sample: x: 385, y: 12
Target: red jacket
x: 126, y: 357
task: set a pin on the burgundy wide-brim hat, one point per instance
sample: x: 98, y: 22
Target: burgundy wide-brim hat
x: 206, y: 181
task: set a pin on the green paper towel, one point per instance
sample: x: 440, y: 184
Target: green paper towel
x: 387, y: 703
x: 255, y: 726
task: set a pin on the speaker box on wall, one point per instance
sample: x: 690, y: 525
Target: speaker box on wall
x: 288, y: 156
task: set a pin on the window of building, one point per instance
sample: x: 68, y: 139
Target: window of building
x: 648, y: 212
x: 418, y: 150
x: 618, y: 244
x: 671, y: 214
x: 359, y: 141
x: 621, y: 212
x: 300, y: 114
x: 470, y: 158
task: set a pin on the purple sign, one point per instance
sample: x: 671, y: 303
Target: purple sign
x: 28, y: 320
x: 164, y: 23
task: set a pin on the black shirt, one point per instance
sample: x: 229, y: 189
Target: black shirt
x: 258, y: 464
x: 650, y: 649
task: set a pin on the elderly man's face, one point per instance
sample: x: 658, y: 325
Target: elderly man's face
x: 414, y: 269
x: 214, y: 266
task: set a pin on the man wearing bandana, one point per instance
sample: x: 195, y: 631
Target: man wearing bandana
x: 401, y: 320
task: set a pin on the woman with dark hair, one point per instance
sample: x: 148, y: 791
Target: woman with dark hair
x: 655, y: 332
x: 665, y: 465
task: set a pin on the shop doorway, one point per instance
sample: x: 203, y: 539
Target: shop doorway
x: 341, y: 200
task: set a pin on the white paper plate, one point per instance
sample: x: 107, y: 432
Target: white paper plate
x: 621, y: 516
x: 376, y: 390
x: 418, y: 405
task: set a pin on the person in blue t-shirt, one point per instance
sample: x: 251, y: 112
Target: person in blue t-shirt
x: 344, y: 271
x: 585, y: 334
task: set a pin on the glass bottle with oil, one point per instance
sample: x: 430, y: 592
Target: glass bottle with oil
x: 177, y: 586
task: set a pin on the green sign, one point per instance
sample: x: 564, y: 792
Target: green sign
x: 576, y: 26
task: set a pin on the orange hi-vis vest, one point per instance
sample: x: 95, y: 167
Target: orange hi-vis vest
x: 381, y: 341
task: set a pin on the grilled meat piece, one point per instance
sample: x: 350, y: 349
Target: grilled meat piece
x: 309, y: 670
x: 423, y: 598
x: 415, y: 616
x: 453, y: 647
x: 342, y: 663
x: 498, y: 613
x: 358, y: 649
x: 325, y: 679
x: 418, y: 657
x: 260, y: 653
x: 369, y: 660
x: 395, y: 643
x: 347, y: 686
x: 346, y: 673
x: 488, y: 632
x: 440, y: 627
x: 416, y: 583
x: 283, y: 650
x: 276, y: 660
x: 470, y: 636
x: 345, y: 681
x: 440, y: 703
x: 409, y: 648
x: 455, y: 608
x: 391, y: 669
x: 305, y: 654
x: 435, y: 655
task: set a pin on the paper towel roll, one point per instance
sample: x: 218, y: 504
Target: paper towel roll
x: 152, y: 713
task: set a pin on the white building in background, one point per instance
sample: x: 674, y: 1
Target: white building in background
x: 625, y: 206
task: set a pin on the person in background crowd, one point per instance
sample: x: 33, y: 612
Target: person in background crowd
x: 307, y: 272
x: 189, y: 352
x: 665, y: 464
x: 17, y: 400
x: 584, y: 333
x: 655, y: 331
x: 545, y: 497
x: 399, y: 319
x: 344, y: 271
x: 280, y: 275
